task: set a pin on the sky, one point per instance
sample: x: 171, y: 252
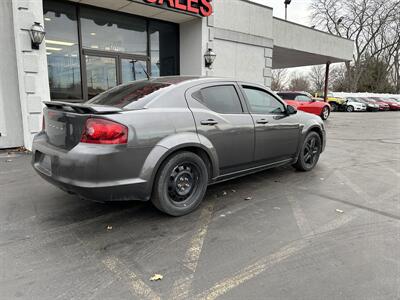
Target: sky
x: 298, y: 10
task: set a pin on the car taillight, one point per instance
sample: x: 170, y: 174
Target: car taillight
x: 102, y: 131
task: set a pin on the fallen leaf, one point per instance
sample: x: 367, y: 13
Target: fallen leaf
x: 222, y: 194
x: 156, y: 277
x: 339, y: 211
x: 109, y: 227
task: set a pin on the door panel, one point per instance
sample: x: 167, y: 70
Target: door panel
x: 276, y: 133
x: 278, y: 139
x: 231, y: 134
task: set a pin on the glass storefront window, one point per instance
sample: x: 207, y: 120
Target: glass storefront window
x: 102, y: 30
x: 104, y: 48
x: 164, y: 48
x: 101, y: 74
x: 62, y: 50
x: 133, y: 70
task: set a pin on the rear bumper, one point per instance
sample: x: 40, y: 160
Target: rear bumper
x: 91, y: 172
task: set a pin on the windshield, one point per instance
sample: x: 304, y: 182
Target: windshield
x: 123, y: 95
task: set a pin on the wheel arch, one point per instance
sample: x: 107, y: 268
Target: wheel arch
x: 178, y: 143
x: 318, y: 130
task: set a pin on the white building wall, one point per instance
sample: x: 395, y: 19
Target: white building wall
x: 240, y: 33
x: 191, y: 47
x: 11, y: 131
x: 31, y: 67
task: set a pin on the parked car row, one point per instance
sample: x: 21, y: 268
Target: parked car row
x: 306, y: 102
x: 371, y: 104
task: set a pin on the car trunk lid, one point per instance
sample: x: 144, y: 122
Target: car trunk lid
x: 64, y: 122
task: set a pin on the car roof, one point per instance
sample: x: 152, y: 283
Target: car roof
x: 175, y: 80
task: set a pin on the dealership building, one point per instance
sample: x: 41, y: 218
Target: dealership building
x: 93, y: 45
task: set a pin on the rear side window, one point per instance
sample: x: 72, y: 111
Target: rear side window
x: 221, y: 98
x: 123, y: 95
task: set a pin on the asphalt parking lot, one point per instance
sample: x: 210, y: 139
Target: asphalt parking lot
x: 333, y: 233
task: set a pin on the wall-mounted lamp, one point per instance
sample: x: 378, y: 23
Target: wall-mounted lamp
x: 209, y: 58
x: 37, y: 34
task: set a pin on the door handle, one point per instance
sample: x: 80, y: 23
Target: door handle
x: 209, y: 122
x: 262, y: 121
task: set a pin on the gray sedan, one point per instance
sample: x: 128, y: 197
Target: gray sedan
x: 167, y: 139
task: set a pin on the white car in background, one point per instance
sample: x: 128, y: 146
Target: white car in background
x: 353, y: 104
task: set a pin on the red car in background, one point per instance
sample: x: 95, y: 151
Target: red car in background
x: 393, y: 104
x: 306, y: 103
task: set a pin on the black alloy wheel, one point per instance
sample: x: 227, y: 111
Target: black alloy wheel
x: 310, y: 152
x: 181, y: 184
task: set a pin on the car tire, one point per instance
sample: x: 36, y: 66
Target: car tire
x: 349, y: 108
x: 334, y: 106
x: 309, y: 152
x: 181, y: 184
x: 325, y: 113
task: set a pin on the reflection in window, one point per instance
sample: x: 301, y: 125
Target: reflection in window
x: 222, y: 98
x: 101, y: 74
x: 133, y: 70
x: 62, y: 51
x: 163, y: 48
x: 128, y: 94
x: 261, y: 102
x: 106, y: 31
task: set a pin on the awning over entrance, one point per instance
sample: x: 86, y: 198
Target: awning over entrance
x: 296, y: 46
x: 139, y: 7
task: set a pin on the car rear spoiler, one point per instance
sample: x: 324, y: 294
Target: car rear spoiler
x: 82, y: 108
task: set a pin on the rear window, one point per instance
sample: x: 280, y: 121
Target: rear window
x: 123, y: 95
x: 287, y: 96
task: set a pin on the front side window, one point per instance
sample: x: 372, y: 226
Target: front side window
x: 62, y: 50
x: 262, y: 102
x: 222, y: 99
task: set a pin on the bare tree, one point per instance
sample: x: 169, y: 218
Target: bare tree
x: 337, y: 78
x: 364, y: 21
x: 279, y: 79
x: 299, y: 83
x: 317, y: 78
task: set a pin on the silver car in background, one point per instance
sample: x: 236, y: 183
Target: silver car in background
x: 167, y: 139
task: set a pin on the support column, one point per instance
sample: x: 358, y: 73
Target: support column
x: 326, y: 81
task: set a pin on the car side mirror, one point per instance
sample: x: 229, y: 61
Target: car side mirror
x: 313, y: 100
x: 291, y: 110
